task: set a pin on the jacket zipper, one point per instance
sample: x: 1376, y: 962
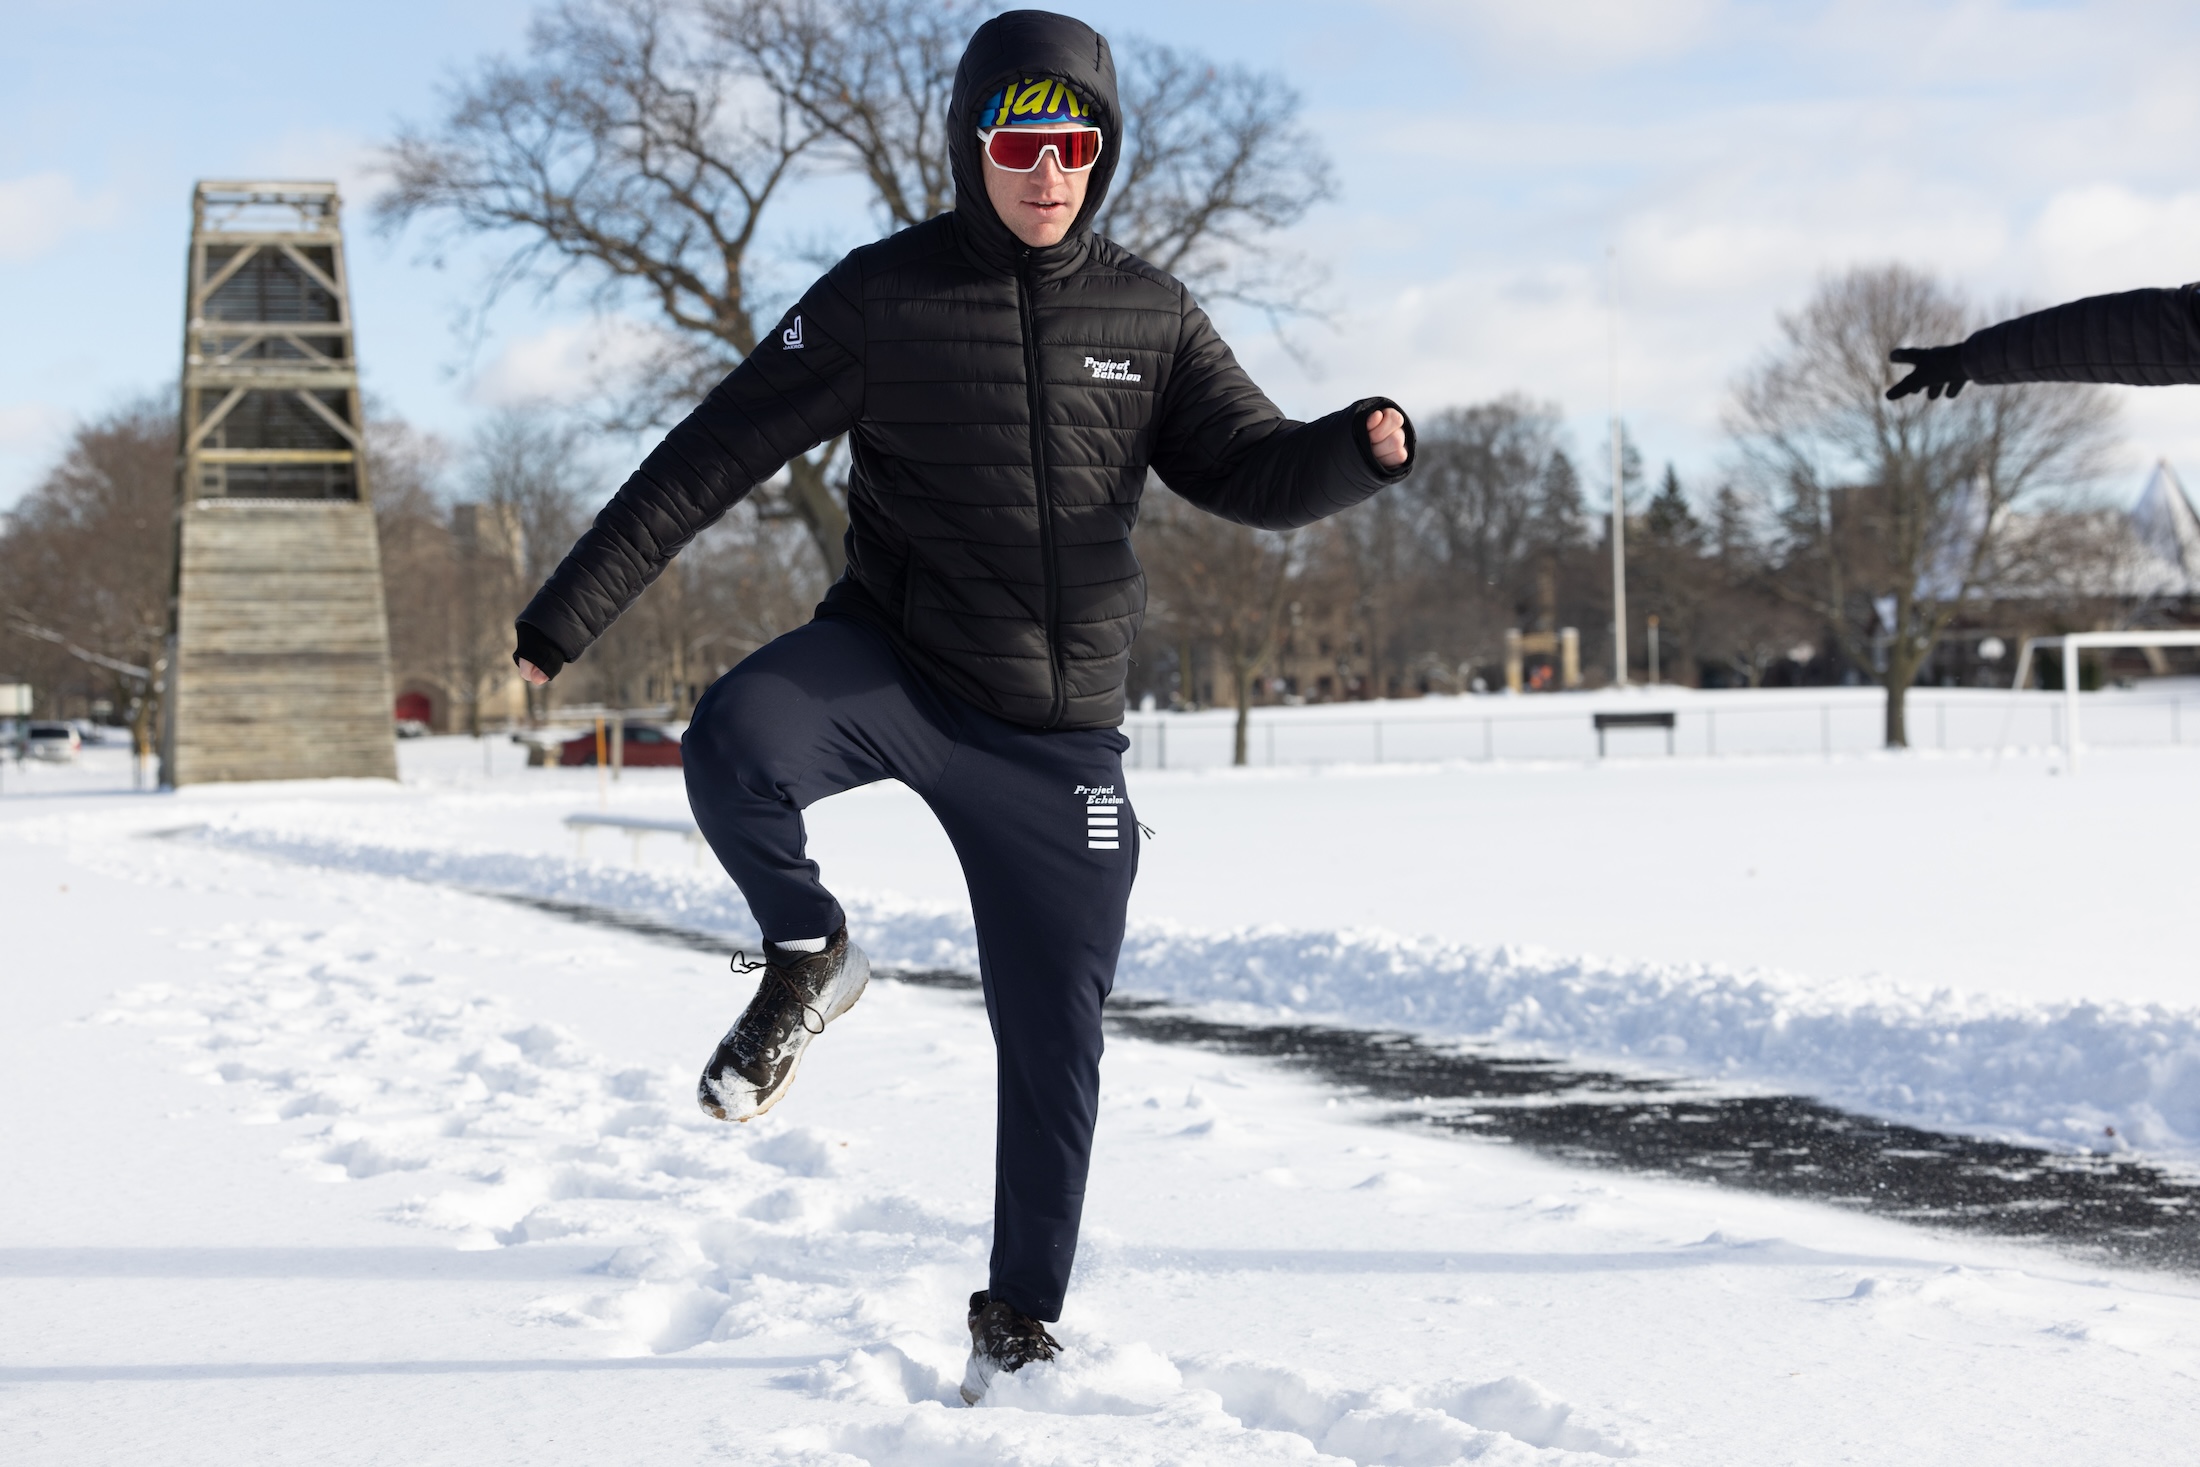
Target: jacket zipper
x: 1039, y: 477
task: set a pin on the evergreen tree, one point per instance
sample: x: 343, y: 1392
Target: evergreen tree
x: 1730, y: 526
x: 1669, y: 517
x: 1560, y: 513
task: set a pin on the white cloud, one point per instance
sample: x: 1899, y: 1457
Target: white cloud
x: 31, y: 435
x: 2093, y: 238
x: 566, y: 362
x: 40, y: 210
x: 2158, y: 422
x: 346, y: 159
x: 1736, y: 154
x: 30, y: 426
x: 2106, y: 236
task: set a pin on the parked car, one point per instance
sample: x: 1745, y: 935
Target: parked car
x: 56, y: 741
x: 646, y: 745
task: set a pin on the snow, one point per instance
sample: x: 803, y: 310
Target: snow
x: 1776, y: 930
x: 320, y: 1155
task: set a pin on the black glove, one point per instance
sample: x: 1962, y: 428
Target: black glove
x: 1938, y: 370
x: 538, y: 649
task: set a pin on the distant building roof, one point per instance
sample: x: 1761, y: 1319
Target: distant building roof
x: 2168, y: 531
x: 2147, y: 553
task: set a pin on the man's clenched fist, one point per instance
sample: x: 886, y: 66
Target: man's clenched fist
x: 1386, y: 432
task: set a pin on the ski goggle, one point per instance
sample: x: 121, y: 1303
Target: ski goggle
x: 1019, y: 149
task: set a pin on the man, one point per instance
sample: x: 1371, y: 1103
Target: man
x: 1006, y: 379
x: 2149, y: 338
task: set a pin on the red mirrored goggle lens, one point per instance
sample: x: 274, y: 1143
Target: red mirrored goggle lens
x: 1017, y: 149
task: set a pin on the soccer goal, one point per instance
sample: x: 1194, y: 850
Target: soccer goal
x: 2072, y: 644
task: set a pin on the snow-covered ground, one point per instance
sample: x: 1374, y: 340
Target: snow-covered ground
x: 314, y: 1155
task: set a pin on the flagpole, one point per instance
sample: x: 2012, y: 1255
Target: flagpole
x: 1619, y: 489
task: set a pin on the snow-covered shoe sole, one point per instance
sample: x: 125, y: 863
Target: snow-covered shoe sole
x: 977, y: 1376
x: 728, y: 1095
x: 1001, y: 1339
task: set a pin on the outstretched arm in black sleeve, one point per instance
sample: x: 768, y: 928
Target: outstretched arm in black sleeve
x: 2148, y: 338
x: 801, y: 386
x: 1225, y: 447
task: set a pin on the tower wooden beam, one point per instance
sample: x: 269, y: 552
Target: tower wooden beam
x: 279, y: 659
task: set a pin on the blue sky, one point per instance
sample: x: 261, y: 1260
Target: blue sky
x: 1490, y: 153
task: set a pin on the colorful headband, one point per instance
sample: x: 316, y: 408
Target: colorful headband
x: 1035, y: 102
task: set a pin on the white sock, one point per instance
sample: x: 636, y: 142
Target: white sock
x: 803, y: 945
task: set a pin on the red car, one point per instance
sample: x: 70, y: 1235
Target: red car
x: 647, y: 746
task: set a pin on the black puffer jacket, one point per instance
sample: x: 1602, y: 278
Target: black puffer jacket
x: 1004, y: 405
x: 2150, y: 338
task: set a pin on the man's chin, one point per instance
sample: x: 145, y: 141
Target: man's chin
x: 1044, y: 229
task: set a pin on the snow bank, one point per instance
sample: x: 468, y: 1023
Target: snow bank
x: 2088, y: 1075
x: 2063, y: 1073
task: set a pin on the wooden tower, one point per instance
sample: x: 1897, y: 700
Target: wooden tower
x: 279, y: 664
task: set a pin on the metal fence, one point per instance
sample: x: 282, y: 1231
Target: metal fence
x: 1763, y: 724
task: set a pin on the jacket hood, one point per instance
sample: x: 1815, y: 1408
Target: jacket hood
x: 1007, y: 48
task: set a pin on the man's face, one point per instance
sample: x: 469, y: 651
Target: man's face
x: 1038, y: 207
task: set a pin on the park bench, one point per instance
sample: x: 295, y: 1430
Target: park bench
x: 1662, y: 720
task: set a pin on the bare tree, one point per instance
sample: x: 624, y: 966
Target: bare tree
x: 871, y: 76
x: 1215, y: 165
x: 1218, y: 584
x: 1433, y: 569
x: 642, y: 145
x: 536, y: 467
x: 628, y: 149
x: 86, y: 561
x: 420, y: 586
x: 1735, y: 619
x: 1372, y: 544
x: 1484, y: 477
x: 1892, y: 514
x: 743, y: 582
x: 748, y: 583
x: 529, y: 476
x: 466, y: 537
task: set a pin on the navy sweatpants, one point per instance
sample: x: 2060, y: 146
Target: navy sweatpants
x: 1048, y: 846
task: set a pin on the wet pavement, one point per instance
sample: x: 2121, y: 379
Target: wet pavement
x: 2115, y: 1208
x: 2111, y: 1207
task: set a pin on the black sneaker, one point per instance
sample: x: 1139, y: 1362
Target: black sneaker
x: 800, y: 994
x: 1002, y: 1338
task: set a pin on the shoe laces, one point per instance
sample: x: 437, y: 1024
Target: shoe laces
x: 1012, y: 1337
x: 804, y: 1009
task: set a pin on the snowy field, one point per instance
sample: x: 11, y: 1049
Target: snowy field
x: 318, y: 1153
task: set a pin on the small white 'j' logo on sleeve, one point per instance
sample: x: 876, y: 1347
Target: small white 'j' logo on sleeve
x: 791, y: 338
